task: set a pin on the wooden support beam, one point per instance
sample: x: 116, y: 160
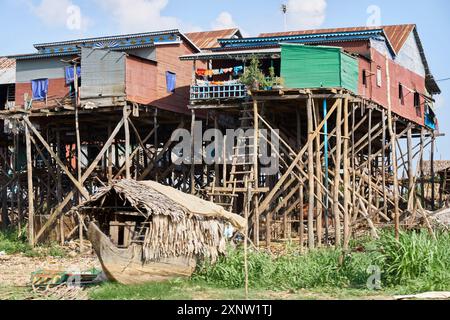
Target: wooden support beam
x: 31, y: 239
x: 268, y: 199
x: 75, y: 181
x: 337, y: 176
x: 394, y: 152
x: 127, y: 142
x: 311, y: 242
x: 347, y: 186
x: 85, y: 176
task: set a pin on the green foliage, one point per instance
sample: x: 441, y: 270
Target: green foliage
x: 13, y: 243
x: 416, y: 262
x: 253, y: 76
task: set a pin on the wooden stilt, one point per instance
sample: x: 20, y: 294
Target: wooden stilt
x: 346, y: 177
x: 433, y: 173
x: 256, y: 172
x: 31, y: 239
x: 192, y: 172
x: 337, y: 176
x: 311, y: 182
x: 126, y: 126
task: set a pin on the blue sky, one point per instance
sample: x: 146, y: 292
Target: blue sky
x: 24, y: 22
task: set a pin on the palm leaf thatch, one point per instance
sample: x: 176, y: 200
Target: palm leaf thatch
x: 179, y: 224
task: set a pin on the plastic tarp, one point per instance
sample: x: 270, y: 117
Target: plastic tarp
x: 39, y: 87
x: 69, y: 72
x: 171, y: 79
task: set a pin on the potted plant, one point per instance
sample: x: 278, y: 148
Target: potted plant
x: 253, y: 77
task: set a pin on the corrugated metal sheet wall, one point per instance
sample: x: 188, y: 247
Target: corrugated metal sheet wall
x: 102, y: 73
x: 315, y: 67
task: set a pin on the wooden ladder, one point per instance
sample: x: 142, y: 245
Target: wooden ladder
x: 242, y: 168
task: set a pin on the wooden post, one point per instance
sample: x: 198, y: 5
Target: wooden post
x: 410, y: 170
x: 247, y: 199
x: 346, y: 177
x: 110, y: 157
x: 192, y: 173
x: 369, y: 164
x: 383, y: 165
x: 256, y: 172
x: 30, y: 188
x: 394, y: 152
x: 301, y: 231
x: 433, y: 178
x: 126, y: 126
x: 319, y: 193
x: 59, y: 186
x: 311, y: 240
x: 422, y: 169
x: 337, y: 175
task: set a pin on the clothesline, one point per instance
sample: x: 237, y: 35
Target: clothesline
x: 213, y: 72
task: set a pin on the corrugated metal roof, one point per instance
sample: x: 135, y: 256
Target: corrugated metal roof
x: 7, y: 70
x: 208, y: 39
x: 396, y: 34
x: 231, y: 54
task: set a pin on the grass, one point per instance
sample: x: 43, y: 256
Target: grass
x: 13, y: 243
x: 414, y: 263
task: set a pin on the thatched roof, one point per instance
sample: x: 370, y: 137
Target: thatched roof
x: 181, y: 224
x: 439, y: 166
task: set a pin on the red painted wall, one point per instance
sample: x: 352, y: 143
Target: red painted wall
x: 141, y: 84
x: 398, y: 74
x: 168, y: 57
x: 57, y: 89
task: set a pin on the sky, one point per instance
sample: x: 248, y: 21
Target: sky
x: 25, y: 22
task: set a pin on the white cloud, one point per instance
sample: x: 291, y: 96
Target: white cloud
x: 143, y: 15
x: 306, y: 14
x: 57, y: 13
x: 223, y: 21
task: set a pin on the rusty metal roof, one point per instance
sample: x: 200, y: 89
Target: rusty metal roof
x: 208, y: 39
x: 396, y: 34
x: 6, y: 63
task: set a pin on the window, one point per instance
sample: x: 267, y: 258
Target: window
x: 39, y: 88
x: 401, y: 96
x: 171, y: 80
x: 379, y: 74
x: 364, y: 78
x: 416, y: 100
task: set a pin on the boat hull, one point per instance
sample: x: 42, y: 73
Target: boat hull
x: 127, y: 267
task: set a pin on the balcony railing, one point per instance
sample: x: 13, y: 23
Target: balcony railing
x: 218, y: 92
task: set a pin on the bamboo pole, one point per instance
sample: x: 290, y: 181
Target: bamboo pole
x: 126, y: 126
x: 256, y: 171
x: 394, y: 152
x: 31, y: 239
x: 311, y: 242
x: 346, y: 177
x: 319, y: 194
x: 337, y: 176
x: 192, y: 173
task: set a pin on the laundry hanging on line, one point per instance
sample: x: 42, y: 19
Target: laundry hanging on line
x: 213, y: 72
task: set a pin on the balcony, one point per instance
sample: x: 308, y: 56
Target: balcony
x: 218, y: 92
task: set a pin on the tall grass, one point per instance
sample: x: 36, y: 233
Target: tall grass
x: 416, y: 261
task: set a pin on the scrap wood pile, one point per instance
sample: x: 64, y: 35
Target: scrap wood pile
x: 179, y: 224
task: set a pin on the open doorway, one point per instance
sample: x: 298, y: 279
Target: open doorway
x: 7, y: 95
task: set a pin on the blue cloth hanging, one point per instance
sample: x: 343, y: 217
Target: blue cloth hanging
x: 171, y: 79
x: 69, y: 74
x: 39, y: 87
x: 238, y: 69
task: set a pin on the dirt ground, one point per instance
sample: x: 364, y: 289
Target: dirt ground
x: 15, y: 270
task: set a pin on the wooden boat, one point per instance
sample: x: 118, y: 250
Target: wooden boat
x: 126, y: 266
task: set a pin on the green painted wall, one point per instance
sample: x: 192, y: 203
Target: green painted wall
x: 314, y: 67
